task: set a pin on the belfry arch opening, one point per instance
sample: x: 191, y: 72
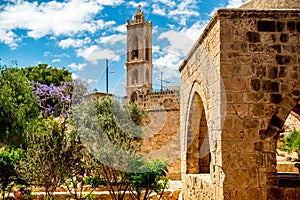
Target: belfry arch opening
x: 198, y: 152
x: 148, y: 49
x: 135, y: 48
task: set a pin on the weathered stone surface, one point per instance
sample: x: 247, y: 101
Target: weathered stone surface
x: 246, y: 113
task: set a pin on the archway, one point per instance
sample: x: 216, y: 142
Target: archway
x: 148, y: 49
x: 198, y: 155
x: 135, y: 48
x: 133, y: 97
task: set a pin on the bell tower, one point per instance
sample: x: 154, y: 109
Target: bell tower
x: 139, y: 56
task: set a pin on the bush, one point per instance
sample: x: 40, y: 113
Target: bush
x: 291, y: 143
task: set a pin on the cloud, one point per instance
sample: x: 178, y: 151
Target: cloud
x: 158, y: 10
x: 234, y: 3
x: 56, y: 60
x: 166, y: 2
x: 169, y: 64
x: 94, y: 53
x: 185, y: 8
x: 54, y: 18
x: 184, y: 11
x: 76, y: 67
x: 179, y: 43
x: 67, y: 43
x: 135, y: 4
x: 113, y: 39
x: 9, y: 38
x: 194, y: 31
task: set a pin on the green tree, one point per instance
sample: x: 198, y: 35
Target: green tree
x: 291, y: 143
x: 113, y: 134
x: 43, y: 156
x: 17, y: 106
x: 9, y: 159
x: 46, y: 74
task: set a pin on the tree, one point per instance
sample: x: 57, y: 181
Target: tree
x: 148, y: 176
x: 113, y: 134
x: 46, y: 74
x: 17, y: 106
x: 43, y: 155
x: 9, y: 159
x: 291, y: 143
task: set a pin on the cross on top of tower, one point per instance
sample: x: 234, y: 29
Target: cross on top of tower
x: 139, y: 15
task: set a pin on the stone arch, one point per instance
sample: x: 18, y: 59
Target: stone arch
x: 198, y: 155
x: 133, y: 97
x: 269, y: 136
x: 135, y: 48
x: 148, y: 49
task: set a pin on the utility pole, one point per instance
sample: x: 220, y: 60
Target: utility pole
x: 106, y: 75
x: 161, y: 80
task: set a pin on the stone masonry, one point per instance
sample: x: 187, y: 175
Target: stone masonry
x: 163, y: 136
x: 242, y: 79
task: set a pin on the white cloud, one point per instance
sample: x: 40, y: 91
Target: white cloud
x: 94, y: 53
x: 113, y: 39
x: 91, y: 82
x: 234, y: 3
x: 169, y: 64
x: 9, y: 38
x: 185, y: 8
x: 55, y: 18
x: 121, y: 28
x: 67, y: 43
x: 79, y: 67
x: 195, y: 30
x: 166, y: 2
x: 74, y: 76
x: 184, y: 11
x: 158, y: 10
x: 179, y: 43
x: 136, y: 4
x: 56, y: 60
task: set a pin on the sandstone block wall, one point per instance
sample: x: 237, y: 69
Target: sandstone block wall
x: 245, y: 67
x: 163, y: 136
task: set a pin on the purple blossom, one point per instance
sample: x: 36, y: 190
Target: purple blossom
x: 58, y: 99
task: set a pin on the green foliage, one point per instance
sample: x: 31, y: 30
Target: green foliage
x: 291, y: 143
x: 17, y: 106
x: 45, y: 74
x: 148, y: 176
x: 9, y: 160
x: 44, y: 155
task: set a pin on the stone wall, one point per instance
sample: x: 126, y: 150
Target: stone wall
x: 163, y: 136
x: 245, y: 67
x: 200, y: 76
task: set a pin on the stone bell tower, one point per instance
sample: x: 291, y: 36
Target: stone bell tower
x: 139, y: 56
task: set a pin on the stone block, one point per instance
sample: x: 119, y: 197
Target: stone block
x: 266, y: 26
x: 275, y: 193
x: 253, y: 193
x: 283, y: 59
x: 253, y: 37
x: 289, y: 193
x: 291, y: 26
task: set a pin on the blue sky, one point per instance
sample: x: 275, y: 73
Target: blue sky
x: 80, y: 34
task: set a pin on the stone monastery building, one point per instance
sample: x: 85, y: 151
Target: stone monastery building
x: 239, y: 83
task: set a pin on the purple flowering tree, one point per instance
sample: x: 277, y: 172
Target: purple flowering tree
x: 57, y: 100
